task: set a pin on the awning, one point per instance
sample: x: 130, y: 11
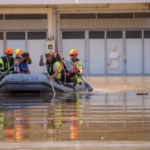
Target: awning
x: 8, y: 2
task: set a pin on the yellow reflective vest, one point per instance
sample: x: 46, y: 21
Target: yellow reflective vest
x: 78, y: 68
x: 59, y: 71
x: 6, y: 65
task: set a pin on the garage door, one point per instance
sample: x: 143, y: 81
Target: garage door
x: 134, y: 53
x: 96, y: 53
x: 1, y: 44
x: 36, y: 47
x: 114, y: 52
x: 16, y: 40
x: 146, y: 52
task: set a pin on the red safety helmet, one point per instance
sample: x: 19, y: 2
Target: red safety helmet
x: 50, y: 54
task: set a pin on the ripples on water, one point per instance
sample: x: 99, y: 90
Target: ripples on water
x: 77, y: 121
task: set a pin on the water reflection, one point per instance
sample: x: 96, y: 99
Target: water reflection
x: 80, y: 117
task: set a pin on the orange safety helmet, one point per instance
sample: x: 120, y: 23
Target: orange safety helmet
x: 73, y: 52
x: 18, y: 52
x: 9, y: 51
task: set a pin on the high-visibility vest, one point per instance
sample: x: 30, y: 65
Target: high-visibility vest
x: 78, y: 68
x: 6, y: 65
x: 59, y: 71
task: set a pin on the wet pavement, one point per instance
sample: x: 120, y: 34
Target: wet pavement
x: 75, y: 121
x: 119, y: 84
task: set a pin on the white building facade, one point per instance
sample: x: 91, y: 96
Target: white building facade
x: 112, y: 37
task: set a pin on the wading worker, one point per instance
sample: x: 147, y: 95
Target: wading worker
x: 23, y: 67
x: 78, y: 69
x: 7, y: 61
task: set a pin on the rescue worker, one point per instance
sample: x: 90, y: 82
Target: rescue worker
x: 23, y: 67
x: 63, y: 69
x: 54, y: 66
x: 49, y: 61
x: 78, y: 69
x: 19, y: 52
x: 7, y: 61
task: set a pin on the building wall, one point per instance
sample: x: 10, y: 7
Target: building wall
x: 94, y: 50
x: 23, y: 24
x: 79, y: 24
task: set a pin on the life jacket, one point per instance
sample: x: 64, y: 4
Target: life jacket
x: 59, y: 71
x: 6, y: 64
x: 75, y: 66
x: 76, y: 71
x: 50, y: 67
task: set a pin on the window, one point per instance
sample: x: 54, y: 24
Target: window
x: 15, y: 35
x: 133, y: 34
x: 1, y: 35
x: 142, y: 15
x: 116, y: 15
x: 25, y: 16
x: 146, y: 34
x: 73, y: 35
x: 114, y: 34
x: 1, y: 16
x: 77, y: 16
x: 36, y: 35
x: 96, y: 34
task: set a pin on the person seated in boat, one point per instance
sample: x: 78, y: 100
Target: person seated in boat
x: 23, y: 65
x: 17, y: 62
x: 63, y: 69
x: 7, y: 61
x: 77, y: 65
x: 55, y: 67
x: 49, y: 62
x: 41, y: 63
x: 19, y: 52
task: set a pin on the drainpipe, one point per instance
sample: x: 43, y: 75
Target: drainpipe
x: 58, y: 32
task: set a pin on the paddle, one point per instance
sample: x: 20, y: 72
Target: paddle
x: 6, y: 71
x: 50, y: 79
x: 87, y: 86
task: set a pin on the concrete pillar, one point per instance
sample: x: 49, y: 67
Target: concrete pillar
x: 50, y: 22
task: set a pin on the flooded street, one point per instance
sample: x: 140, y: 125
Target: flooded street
x: 76, y: 121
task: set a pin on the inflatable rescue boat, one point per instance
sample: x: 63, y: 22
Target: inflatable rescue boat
x: 34, y: 83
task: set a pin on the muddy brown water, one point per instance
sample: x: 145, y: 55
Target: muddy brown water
x: 75, y: 121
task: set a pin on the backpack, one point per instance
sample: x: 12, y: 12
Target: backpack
x: 68, y: 66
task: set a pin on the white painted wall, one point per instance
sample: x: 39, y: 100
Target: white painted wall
x: 1, y: 48
x: 36, y: 48
x: 15, y: 44
x: 111, y: 44
x: 134, y: 56
x: 96, y: 56
x: 147, y: 56
x: 78, y: 44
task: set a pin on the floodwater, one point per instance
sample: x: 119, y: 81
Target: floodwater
x: 77, y: 121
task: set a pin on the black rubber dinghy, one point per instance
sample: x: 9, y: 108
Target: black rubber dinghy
x: 34, y: 83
